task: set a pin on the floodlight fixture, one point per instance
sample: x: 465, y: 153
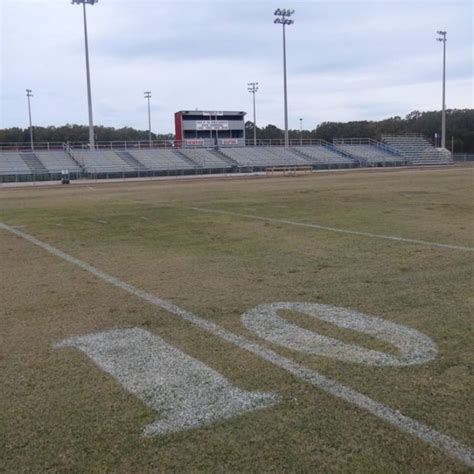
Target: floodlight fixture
x: 88, y: 76
x: 89, y: 2
x: 283, y: 19
x: 147, y: 95
x: 283, y: 12
x: 442, y: 38
x: 253, y: 88
x: 29, y: 95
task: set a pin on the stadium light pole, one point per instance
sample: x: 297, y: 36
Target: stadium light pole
x: 301, y: 131
x: 283, y: 19
x: 29, y: 94
x: 148, y: 97
x: 253, y: 88
x: 89, y: 94
x: 442, y: 38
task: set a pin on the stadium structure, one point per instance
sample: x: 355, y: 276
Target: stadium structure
x: 209, y: 142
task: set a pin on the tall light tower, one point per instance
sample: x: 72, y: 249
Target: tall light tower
x: 148, y: 97
x: 283, y: 19
x: 89, y: 94
x: 442, y: 38
x: 301, y: 131
x: 29, y: 94
x: 253, y: 88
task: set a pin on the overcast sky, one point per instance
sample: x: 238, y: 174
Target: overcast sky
x: 347, y: 60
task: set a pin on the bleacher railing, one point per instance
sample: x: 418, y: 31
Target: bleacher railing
x: 197, y: 143
x: 39, y: 146
x: 146, y: 145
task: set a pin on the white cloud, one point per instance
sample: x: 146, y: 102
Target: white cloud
x: 346, y: 59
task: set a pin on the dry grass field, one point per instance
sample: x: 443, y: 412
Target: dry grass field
x: 177, y: 264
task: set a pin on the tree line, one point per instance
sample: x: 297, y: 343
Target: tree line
x: 78, y: 133
x: 459, y: 125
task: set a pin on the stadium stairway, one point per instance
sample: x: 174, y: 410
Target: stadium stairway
x: 225, y: 158
x: 324, y: 153
x: 193, y: 163
x: 68, y: 151
x: 303, y: 156
x: 345, y: 154
x: 131, y: 160
x: 32, y: 161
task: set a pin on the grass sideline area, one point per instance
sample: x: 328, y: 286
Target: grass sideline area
x: 60, y: 411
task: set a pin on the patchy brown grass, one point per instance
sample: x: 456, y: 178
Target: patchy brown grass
x: 59, y: 412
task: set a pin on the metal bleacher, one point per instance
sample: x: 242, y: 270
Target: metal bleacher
x: 12, y: 163
x: 56, y: 161
x: 368, y: 150
x: 44, y: 163
x: 250, y: 156
x: 161, y: 160
x: 322, y: 154
x: 102, y: 161
x: 418, y: 150
x: 263, y: 156
x: 205, y: 158
x: 287, y: 156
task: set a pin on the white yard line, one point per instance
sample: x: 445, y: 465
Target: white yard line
x: 456, y: 449
x: 332, y: 229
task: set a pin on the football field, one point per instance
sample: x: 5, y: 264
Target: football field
x: 312, y: 323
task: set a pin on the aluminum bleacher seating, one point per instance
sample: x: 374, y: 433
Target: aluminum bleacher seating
x: 369, y: 152
x: 287, y: 156
x: 321, y: 154
x: 418, y: 150
x: 204, y: 158
x: 56, y: 161
x: 250, y: 156
x: 161, y: 160
x: 101, y: 161
x: 264, y: 156
x: 12, y: 163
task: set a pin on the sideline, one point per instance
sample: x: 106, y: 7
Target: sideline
x: 424, y: 432
x: 230, y: 176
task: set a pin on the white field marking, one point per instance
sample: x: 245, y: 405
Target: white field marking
x: 333, y: 229
x: 414, y: 347
x: 456, y: 449
x: 185, y: 392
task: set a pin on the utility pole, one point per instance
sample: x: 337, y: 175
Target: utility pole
x: 283, y: 19
x: 301, y: 131
x: 88, y: 75
x: 442, y: 38
x: 253, y: 88
x: 148, y: 97
x: 29, y: 94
